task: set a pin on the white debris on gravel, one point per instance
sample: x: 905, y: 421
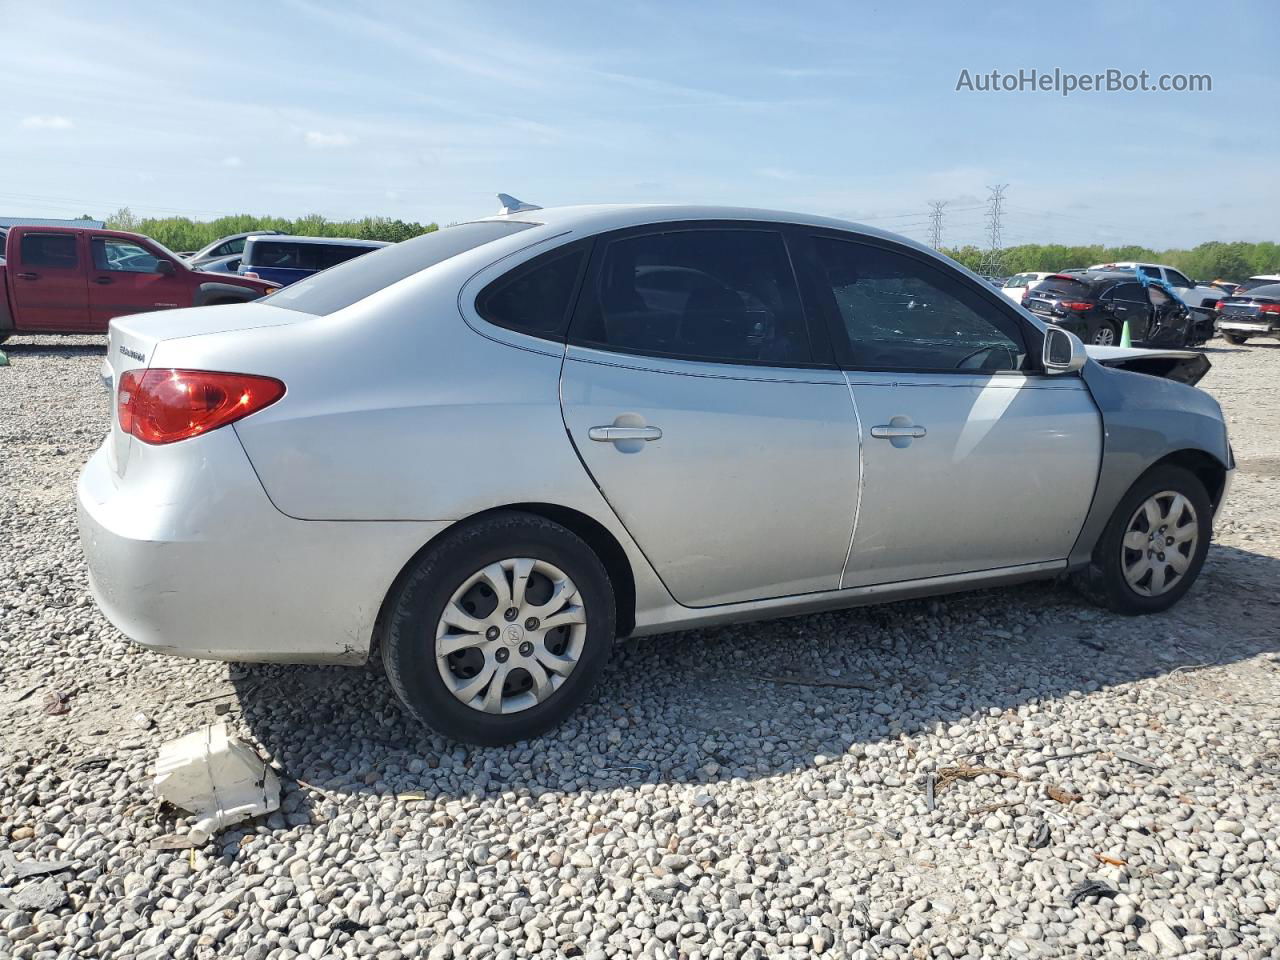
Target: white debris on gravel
x: 694, y: 809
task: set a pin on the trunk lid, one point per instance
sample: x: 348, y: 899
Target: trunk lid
x: 132, y: 342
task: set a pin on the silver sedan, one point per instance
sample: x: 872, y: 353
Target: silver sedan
x: 485, y: 453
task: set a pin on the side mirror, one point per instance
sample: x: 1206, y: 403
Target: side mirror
x: 165, y: 268
x: 1063, y: 352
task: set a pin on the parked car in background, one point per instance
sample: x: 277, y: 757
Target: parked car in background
x: 1252, y: 311
x: 1095, y: 306
x: 285, y: 260
x: 1017, y: 286
x: 229, y: 264
x: 226, y: 247
x: 1195, y: 296
x: 1262, y: 280
x: 75, y: 280
x: 1226, y: 286
x: 490, y: 450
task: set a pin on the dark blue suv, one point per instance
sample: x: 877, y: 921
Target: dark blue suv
x: 283, y: 259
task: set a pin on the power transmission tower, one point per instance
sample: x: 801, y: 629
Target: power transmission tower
x: 992, y: 265
x: 935, y: 223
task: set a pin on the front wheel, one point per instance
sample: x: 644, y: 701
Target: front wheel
x: 1153, y: 547
x: 500, y: 630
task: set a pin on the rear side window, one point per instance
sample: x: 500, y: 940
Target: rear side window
x: 902, y: 313
x: 356, y: 279
x: 536, y: 297
x: 55, y: 250
x: 284, y: 255
x: 727, y: 295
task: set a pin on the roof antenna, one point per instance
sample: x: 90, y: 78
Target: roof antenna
x: 511, y: 205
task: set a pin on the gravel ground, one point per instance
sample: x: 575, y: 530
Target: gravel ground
x: 700, y: 807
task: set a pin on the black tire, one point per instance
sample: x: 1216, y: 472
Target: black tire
x: 1233, y: 339
x: 1104, y: 582
x: 408, y: 651
x: 1104, y: 325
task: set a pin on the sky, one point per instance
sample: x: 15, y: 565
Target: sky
x: 425, y: 111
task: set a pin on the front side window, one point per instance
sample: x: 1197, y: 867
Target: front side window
x: 122, y: 256
x: 55, y: 250
x: 1178, y: 279
x: 536, y: 297
x: 727, y: 295
x: 232, y: 246
x: 901, y: 313
x: 1128, y: 293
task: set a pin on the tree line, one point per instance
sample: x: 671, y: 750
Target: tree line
x: 182, y: 233
x: 1209, y: 261
x: 1214, y: 260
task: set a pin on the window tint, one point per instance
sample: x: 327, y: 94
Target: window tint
x: 722, y: 294
x: 1178, y: 279
x: 332, y: 255
x: 274, y: 253
x: 535, y: 297
x: 1152, y: 272
x: 1253, y: 283
x: 1064, y: 287
x: 905, y: 314
x: 232, y: 246
x: 1132, y: 292
x: 49, y: 250
x: 122, y: 256
x: 356, y: 279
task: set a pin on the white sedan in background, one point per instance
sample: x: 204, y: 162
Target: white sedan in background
x: 1016, y: 286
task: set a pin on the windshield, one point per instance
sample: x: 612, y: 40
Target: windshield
x: 1062, y: 287
x: 343, y: 285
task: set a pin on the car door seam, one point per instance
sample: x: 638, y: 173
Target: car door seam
x: 857, y: 503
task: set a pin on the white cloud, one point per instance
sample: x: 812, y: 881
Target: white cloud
x: 317, y: 139
x: 232, y: 162
x: 42, y: 122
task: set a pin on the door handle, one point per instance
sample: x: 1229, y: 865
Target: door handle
x: 887, y: 432
x: 27, y: 276
x: 613, y: 434
x: 102, y: 280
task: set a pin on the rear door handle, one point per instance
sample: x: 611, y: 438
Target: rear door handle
x: 102, y: 280
x: 888, y: 433
x: 613, y: 434
x: 27, y: 276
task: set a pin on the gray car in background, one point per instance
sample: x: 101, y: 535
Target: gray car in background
x: 485, y: 453
x: 224, y: 247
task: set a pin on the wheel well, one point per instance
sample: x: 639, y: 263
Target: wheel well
x: 1206, y: 467
x: 595, y: 535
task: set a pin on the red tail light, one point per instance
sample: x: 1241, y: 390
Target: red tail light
x: 1218, y: 306
x: 164, y: 406
x: 1083, y: 306
x: 1269, y: 308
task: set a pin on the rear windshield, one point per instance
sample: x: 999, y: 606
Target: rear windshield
x: 352, y: 281
x: 1263, y: 289
x: 1062, y: 287
x: 1254, y: 284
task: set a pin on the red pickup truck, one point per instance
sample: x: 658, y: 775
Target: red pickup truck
x: 75, y: 280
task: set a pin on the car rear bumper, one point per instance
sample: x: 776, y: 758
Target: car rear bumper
x: 1248, y: 328
x: 189, y: 557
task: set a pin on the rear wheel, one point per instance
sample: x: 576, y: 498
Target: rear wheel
x: 500, y: 630
x: 1234, y: 339
x: 1105, y: 336
x: 1154, y: 545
